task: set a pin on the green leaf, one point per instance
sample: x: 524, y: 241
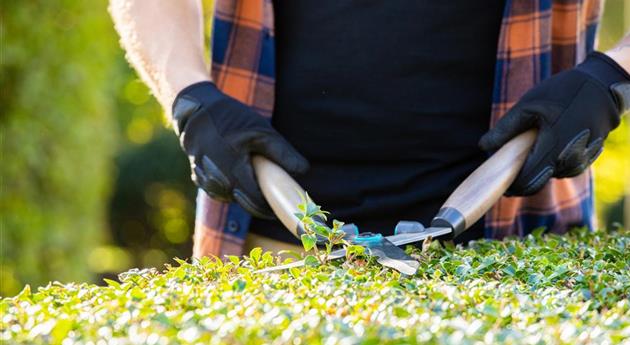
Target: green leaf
x: 25, y: 294
x: 311, y: 261
x: 487, y: 262
x: 450, y: 245
x: 234, y: 259
x: 112, y: 283
x: 509, y: 270
x: 137, y: 293
x: 322, y: 277
x: 305, y: 198
x: 535, y: 278
x: 321, y: 230
x: 308, y: 241
x: 538, y: 232
x: 295, y: 272
x: 462, y: 270
x: 312, y: 209
x: 355, y: 250
x: 267, y: 259
x: 559, y: 271
x: 180, y: 272
x: 255, y: 254
x: 180, y: 261
x: 337, y: 224
x: 61, y: 329
x: 239, y: 285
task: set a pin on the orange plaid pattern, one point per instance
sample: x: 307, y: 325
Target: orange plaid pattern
x: 538, y: 39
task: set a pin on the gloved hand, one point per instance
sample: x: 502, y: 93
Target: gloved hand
x: 219, y: 135
x: 574, y: 111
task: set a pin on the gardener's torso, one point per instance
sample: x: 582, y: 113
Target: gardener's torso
x: 386, y: 99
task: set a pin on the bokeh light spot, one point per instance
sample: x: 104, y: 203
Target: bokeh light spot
x: 154, y: 258
x: 136, y: 92
x: 109, y: 259
x: 175, y: 230
x: 139, y: 131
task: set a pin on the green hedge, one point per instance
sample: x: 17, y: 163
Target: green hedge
x: 539, y: 290
x: 57, y: 137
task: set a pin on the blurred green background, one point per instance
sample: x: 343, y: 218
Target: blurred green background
x: 93, y: 183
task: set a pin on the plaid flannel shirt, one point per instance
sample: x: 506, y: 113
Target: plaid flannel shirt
x: 537, y: 39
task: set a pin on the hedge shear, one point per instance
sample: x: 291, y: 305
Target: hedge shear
x: 384, y: 248
x: 467, y: 204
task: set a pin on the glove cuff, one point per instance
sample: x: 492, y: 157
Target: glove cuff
x: 613, y: 77
x: 190, y: 99
x: 198, y: 90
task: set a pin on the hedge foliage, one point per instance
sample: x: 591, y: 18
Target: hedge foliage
x: 58, y: 136
x: 539, y: 290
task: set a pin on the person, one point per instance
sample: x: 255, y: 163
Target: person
x: 380, y: 108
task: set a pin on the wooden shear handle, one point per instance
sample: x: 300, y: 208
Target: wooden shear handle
x: 280, y: 190
x: 484, y: 186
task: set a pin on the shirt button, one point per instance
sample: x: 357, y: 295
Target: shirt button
x: 232, y: 226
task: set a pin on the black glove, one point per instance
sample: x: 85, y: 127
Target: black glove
x: 219, y: 135
x: 574, y: 111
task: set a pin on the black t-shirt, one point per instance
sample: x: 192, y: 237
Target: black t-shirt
x: 387, y: 100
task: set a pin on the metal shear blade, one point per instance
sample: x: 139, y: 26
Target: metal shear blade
x: 391, y: 256
x: 384, y: 248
